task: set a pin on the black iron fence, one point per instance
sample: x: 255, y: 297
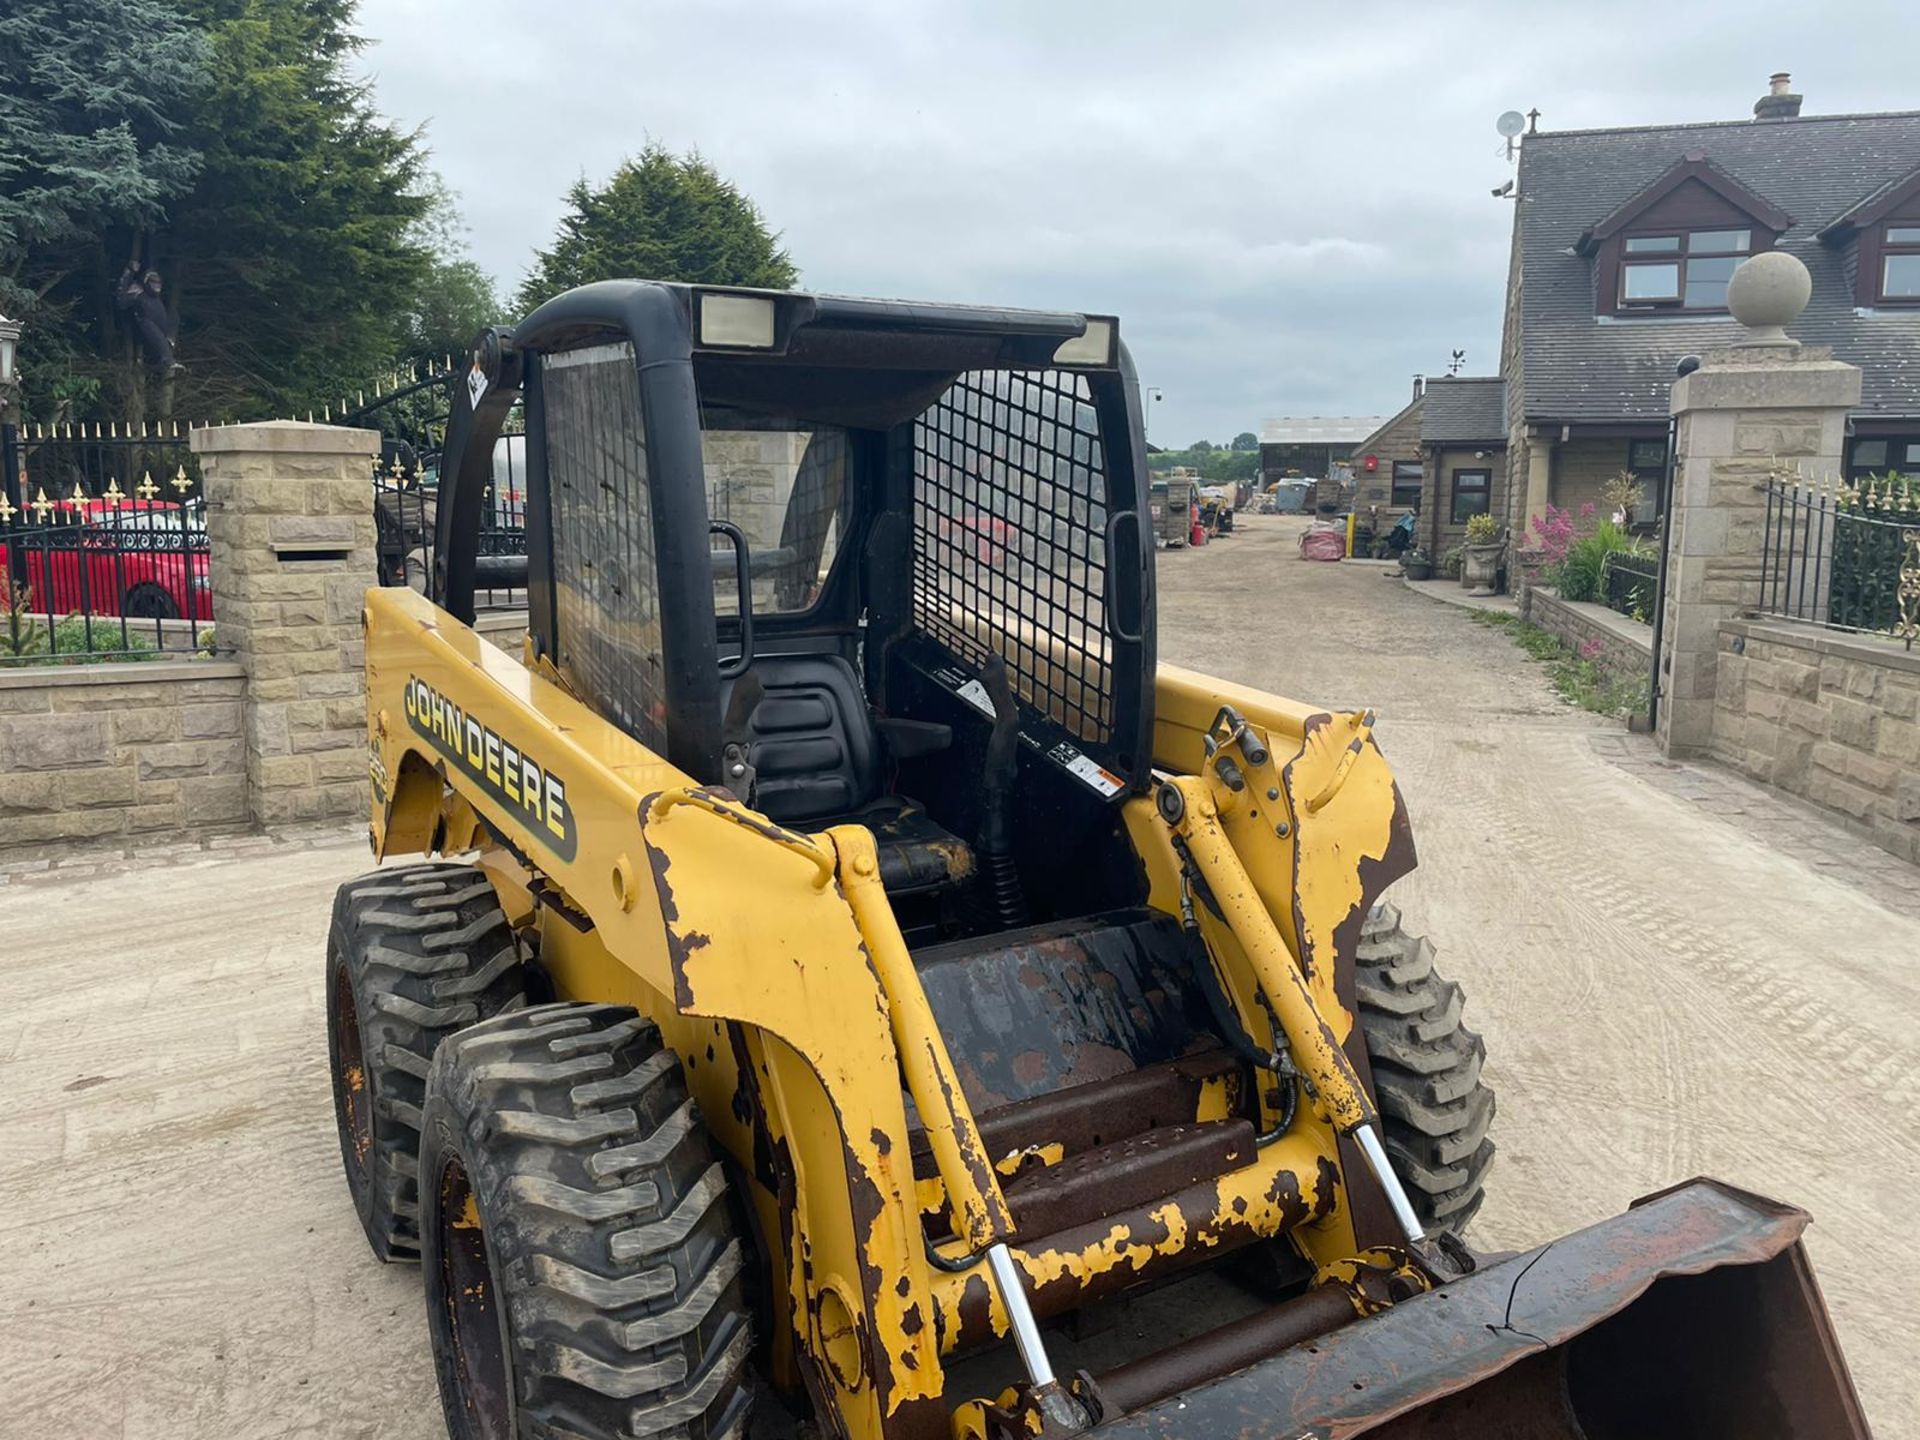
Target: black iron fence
x: 1629, y: 583
x: 114, y: 577
x: 103, y: 540
x: 1844, y: 555
x: 103, y: 543
x: 412, y: 421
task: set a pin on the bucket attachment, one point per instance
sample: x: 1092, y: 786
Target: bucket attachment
x: 1693, y: 1315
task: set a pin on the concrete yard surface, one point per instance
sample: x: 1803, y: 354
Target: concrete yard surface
x: 1676, y: 975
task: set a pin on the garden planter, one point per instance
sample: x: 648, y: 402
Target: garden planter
x: 1421, y: 569
x: 1479, y: 568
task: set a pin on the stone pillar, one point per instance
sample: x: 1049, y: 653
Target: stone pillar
x: 1537, y: 486
x: 1767, y: 402
x: 290, y: 520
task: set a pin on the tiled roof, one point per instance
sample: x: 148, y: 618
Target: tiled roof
x: 1576, y: 366
x: 1464, y: 408
x: 1318, y: 429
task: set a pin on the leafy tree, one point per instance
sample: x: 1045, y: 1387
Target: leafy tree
x: 92, y: 94
x: 661, y: 217
x: 454, y: 299
x: 1201, y: 447
x: 1246, y: 440
x: 294, y: 257
x: 287, y: 249
x: 1217, y: 466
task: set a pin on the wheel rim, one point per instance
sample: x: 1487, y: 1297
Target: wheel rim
x: 468, y: 1301
x: 148, y: 602
x: 352, y: 1095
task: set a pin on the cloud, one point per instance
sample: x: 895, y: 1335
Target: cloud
x: 1286, y: 204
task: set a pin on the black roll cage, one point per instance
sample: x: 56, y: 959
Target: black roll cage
x: 869, y: 365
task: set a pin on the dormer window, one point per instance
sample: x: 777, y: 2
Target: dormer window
x: 1879, y: 239
x: 1673, y: 246
x: 1685, y: 270
x: 1900, y: 265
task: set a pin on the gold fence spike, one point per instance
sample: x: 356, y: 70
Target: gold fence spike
x: 180, y: 480
x: 41, y: 505
x: 146, y: 489
x: 78, y: 495
x: 7, y: 512
x: 114, y: 492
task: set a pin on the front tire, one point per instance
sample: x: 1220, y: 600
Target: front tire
x: 415, y: 953
x: 1435, y: 1110
x: 583, y: 1274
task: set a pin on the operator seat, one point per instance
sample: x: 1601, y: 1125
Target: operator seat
x: 820, y: 760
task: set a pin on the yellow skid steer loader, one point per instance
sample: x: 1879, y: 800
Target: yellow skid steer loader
x: 861, y: 970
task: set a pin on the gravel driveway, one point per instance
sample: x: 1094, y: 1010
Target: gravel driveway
x: 1676, y: 975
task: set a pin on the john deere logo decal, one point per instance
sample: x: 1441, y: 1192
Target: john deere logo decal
x: 519, y: 782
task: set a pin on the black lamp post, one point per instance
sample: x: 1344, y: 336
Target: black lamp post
x: 10, y: 496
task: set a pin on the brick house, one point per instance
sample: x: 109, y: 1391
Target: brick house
x: 1443, y: 455
x: 1623, y: 242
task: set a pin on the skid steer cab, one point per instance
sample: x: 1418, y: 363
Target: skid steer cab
x: 863, y: 993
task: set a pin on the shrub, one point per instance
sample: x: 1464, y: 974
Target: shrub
x: 27, y: 639
x: 1622, y: 495
x: 1582, y: 574
x: 1482, y: 529
x: 1868, y: 553
x: 1452, y: 562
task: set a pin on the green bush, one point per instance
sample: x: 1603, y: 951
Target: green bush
x: 1582, y: 574
x: 1482, y: 529
x: 1864, y: 585
x: 26, y: 639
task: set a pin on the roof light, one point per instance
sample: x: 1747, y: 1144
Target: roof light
x: 736, y: 320
x: 1095, y: 347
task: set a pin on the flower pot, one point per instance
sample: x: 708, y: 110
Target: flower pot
x: 1480, y: 567
x: 1421, y: 569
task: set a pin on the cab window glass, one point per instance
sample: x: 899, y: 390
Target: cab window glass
x: 783, y: 482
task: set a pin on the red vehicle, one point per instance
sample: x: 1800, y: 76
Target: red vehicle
x: 144, y: 559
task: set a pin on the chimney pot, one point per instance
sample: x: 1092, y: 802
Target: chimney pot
x: 1419, y: 382
x: 1779, y: 103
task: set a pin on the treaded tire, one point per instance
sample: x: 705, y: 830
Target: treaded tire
x: 1434, y: 1107
x: 414, y: 954
x: 566, y: 1173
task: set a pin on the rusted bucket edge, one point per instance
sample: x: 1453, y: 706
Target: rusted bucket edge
x: 1373, y: 1370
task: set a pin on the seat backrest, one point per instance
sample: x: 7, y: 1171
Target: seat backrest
x: 811, y: 738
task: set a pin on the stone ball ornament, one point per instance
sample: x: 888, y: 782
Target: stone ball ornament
x: 1767, y: 293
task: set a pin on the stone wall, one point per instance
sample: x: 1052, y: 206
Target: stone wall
x: 1438, y: 533
x: 503, y: 629
x: 1831, y: 718
x: 1581, y: 468
x: 97, y: 752
x: 1618, y: 645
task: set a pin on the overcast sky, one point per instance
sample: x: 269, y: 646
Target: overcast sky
x: 1287, y: 205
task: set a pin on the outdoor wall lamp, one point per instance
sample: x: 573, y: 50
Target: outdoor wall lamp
x: 9, y: 349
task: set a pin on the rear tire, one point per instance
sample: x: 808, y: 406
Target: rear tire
x: 1435, y: 1109
x: 415, y: 953
x: 583, y: 1273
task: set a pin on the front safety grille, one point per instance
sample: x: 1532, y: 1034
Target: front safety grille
x: 1010, y: 550
x: 606, y: 594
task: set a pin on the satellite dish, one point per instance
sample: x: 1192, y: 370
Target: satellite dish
x: 1511, y: 124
